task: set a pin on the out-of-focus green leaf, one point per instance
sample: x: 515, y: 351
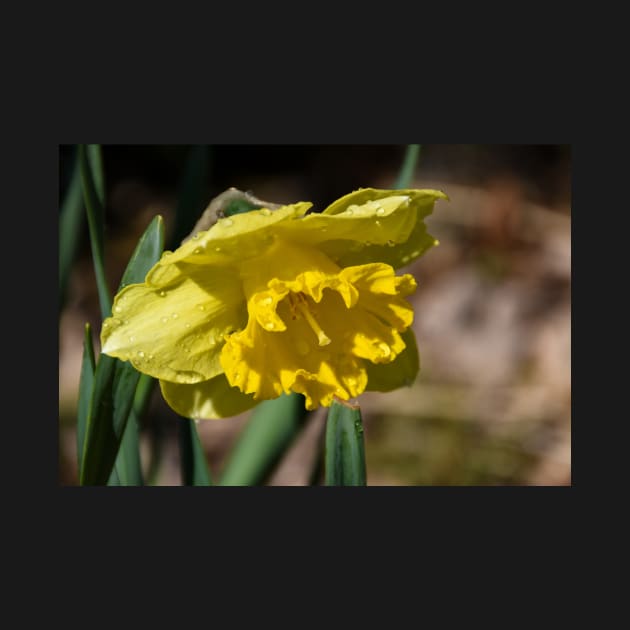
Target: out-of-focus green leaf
x: 95, y: 214
x: 116, y: 382
x: 408, y: 167
x: 273, y: 425
x: 345, y: 451
x: 71, y: 220
x: 86, y: 384
x: 193, y: 458
x: 193, y: 193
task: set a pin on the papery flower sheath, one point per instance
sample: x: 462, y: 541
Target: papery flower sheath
x: 267, y: 302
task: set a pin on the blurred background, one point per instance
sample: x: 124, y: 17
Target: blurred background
x: 492, y: 402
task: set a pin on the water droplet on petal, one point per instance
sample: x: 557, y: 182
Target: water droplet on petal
x: 105, y: 324
x: 187, y: 325
x: 380, y: 211
x: 164, y: 320
x: 217, y: 249
x: 377, y: 223
x: 151, y: 357
x: 228, y: 222
x: 175, y: 315
x: 118, y: 309
x: 391, y: 243
x: 201, y: 307
x: 197, y: 250
x: 350, y: 211
x: 265, y: 212
x: 270, y: 325
x: 267, y: 301
x: 141, y: 354
x: 162, y: 293
x: 385, y: 349
x: 132, y: 339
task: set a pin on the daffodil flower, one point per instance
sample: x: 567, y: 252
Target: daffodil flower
x: 268, y: 302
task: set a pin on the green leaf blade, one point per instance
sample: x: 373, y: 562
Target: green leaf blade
x: 71, y: 219
x: 95, y: 213
x: 193, y: 458
x: 408, y: 167
x: 115, y: 386
x: 344, y: 450
x: 86, y: 385
x: 271, y: 428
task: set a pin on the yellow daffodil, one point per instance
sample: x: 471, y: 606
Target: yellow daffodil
x: 268, y: 302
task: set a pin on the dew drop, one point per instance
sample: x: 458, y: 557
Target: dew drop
x: 197, y: 250
x: 141, y: 354
x: 212, y: 343
x: 187, y: 325
x: 105, y: 324
x: 151, y: 357
x: 266, y: 301
x: 416, y: 253
x: 228, y: 222
x: 270, y: 325
x: 380, y: 211
x: 164, y: 320
x: 391, y: 243
x: 350, y: 211
x: 162, y: 293
x: 201, y: 307
x: 132, y: 339
x: 217, y: 249
x: 175, y: 315
x: 118, y: 309
x: 385, y: 349
x: 265, y: 212
x: 406, y: 259
x: 377, y: 223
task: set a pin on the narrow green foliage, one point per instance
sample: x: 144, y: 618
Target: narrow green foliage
x: 408, y: 167
x: 193, y: 458
x: 272, y: 427
x: 193, y: 193
x: 71, y: 220
x: 85, y: 389
x: 95, y: 214
x: 344, y: 451
x: 115, y: 386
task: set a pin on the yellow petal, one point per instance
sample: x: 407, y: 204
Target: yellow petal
x: 403, y: 371
x: 175, y: 330
x: 210, y: 399
x: 233, y: 239
x: 369, y: 225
